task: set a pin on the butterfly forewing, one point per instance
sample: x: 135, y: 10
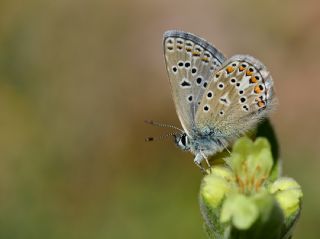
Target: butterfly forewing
x: 239, y: 95
x: 190, y: 63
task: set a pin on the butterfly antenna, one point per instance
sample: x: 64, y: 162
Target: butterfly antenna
x: 163, y: 125
x: 149, y: 139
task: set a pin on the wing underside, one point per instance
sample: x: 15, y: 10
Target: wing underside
x: 240, y: 94
x: 191, y: 62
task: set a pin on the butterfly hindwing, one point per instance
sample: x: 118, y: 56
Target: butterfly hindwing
x: 190, y: 63
x: 240, y: 94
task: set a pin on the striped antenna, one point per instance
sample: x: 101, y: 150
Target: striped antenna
x: 161, y: 137
x: 151, y: 122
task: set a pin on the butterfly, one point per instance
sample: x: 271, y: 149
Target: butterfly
x: 217, y: 99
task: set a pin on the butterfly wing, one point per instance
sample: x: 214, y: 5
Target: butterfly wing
x: 190, y: 61
x: 239, y: 96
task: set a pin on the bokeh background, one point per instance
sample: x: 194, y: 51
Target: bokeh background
x: 77, y: 79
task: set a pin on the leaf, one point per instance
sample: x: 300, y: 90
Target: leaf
x: 240, y: 210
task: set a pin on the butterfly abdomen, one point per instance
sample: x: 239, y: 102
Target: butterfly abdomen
x: 209, y: 143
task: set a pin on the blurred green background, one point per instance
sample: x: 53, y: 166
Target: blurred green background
x: 77, y: 79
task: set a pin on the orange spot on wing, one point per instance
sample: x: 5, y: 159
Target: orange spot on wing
x: 205, y: 59
x: 229, y: 69
x: 195, y: 53
x: 249, y: 73
x: 257, y: 89
x: 253, y: 79
x: 261, y: 103
x: 241, y: 68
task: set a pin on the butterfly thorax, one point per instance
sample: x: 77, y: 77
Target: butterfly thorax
x: 208, y: 143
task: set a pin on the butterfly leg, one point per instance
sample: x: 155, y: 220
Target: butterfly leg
x: 197, y: 160
x: 206, y: 159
